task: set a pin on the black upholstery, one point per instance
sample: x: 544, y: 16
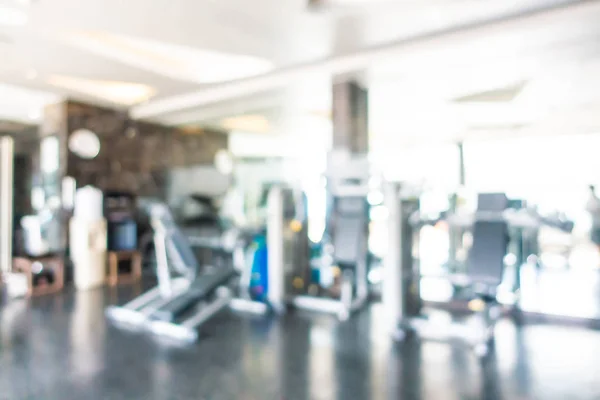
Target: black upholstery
x: 204, y: 285
x: 490, y: 243
x: 486, y: 259
x: 350, y: 219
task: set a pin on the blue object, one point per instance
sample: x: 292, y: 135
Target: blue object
x: 259, y: 282
x: 122, y: 235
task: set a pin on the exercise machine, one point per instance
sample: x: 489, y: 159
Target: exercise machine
x: 186, y: 295
x: 342, y: 283
x: 288, y: 247
x: 401, y: 294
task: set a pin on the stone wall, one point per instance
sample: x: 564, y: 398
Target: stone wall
x: 134, y: 156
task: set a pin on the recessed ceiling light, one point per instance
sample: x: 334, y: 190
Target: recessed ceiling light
x: 10, y: 16
x: 247, y: 123
x: 125, y: 93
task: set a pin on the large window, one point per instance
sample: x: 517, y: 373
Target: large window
x: 553, y: 172
x: 432, y: 166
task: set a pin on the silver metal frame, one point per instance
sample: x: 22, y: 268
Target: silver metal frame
x: 279, y: 298
x: 139, y: 312
x: 396, y: 297
x: 243, y: 302
x: 276, y: 270
x: 186, y: 331
x: 6, y: 202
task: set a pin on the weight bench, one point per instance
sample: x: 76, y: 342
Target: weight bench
x: 193, y: 297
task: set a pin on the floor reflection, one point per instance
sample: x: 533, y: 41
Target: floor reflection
x: 60, y: 347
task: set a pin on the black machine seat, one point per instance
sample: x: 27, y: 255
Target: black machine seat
x: 349, y: 223
x: 486, y: 258
x: 490, y: 243
x: 204, y: 285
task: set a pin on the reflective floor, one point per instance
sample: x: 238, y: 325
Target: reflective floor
x: 62, y: 347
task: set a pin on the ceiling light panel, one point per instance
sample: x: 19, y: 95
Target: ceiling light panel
x: 247, y: 123
x: 171, y: 60
x: 123, y: 93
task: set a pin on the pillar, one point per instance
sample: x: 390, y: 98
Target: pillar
x: 350, y: 118
x: 6, y: 203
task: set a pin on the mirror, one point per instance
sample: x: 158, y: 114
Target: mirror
x: 224, y: 162
x: 84, y: 144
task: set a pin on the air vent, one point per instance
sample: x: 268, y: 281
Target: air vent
x: 500, y: 95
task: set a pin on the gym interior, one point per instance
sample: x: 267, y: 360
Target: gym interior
x: 299, y: 199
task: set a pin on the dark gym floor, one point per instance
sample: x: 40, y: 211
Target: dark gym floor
x: 61, y: 347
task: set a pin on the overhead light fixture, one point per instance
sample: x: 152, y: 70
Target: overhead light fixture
x: 10, y: 16
x: 168, y: 59
x: 247, y: 123
x: 124, y: 93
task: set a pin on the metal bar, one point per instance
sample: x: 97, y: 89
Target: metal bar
x: 392, y: 287
x: 275, y: 244
x: 125, y: 315
x: 139, y: 309
x: 461, y: 165
x: 358, y: 303
x: 6, y: 202
x: 311, y: 303
x: 143, y: 299
x: 149, y: 309
x: 223, y: 299
x: 162, y: 263
x: 248, y: 306
x: 173, y: 331
x: 186, y: 331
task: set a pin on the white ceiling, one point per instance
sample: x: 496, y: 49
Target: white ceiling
x: 542, y: 70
